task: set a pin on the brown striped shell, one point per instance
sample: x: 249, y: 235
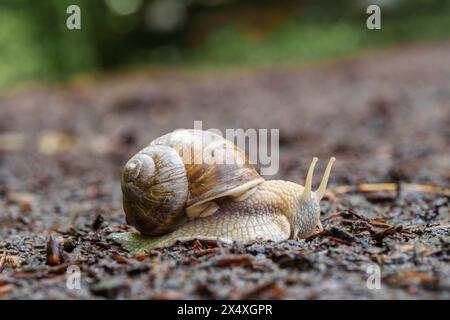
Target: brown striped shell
x: 178, y: 172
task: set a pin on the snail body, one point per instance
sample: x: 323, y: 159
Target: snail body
x: 180, y: 188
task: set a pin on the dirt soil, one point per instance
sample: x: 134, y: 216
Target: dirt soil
x: 385, y: 116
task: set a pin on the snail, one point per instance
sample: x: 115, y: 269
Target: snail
x: 193, y: 184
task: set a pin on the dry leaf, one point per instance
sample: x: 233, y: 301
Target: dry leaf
x: 23, y: 199
x: 13, y: 261
x: 12, y: 141
x: 52, y: 142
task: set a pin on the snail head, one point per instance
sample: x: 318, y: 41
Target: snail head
x: 307, y: 217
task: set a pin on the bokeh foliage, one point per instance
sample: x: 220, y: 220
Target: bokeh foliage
x: 36, y: 45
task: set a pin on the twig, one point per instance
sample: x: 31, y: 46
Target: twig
x: 435, y: 252
x: 3, y: 261
x: 333, y: 216
x: 349, y: 212
x: 380, y: 224
x: 417, y: 227
x: 387, y: 232
x: 357, y: 215
x: 370, y: 187
x: 234, y: 261
x: 203, y: 252
x: 391, y: 186
x: 339, y: 241
x: 427, y: 188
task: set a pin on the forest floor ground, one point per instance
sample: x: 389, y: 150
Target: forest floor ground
x: 385, y: 116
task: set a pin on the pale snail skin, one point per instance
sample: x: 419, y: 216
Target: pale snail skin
x: 256, y: 210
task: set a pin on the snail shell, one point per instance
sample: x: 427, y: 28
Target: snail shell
x: 179, y: 175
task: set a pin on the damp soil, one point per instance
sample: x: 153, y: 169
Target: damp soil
x: 385, y: 116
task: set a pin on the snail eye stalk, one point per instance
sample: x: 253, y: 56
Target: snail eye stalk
x: 308, y: 183
x: 323, y: 184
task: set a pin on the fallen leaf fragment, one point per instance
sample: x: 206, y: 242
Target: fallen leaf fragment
x: 25, y: 200
x: 12, y: 141
x: 52, y: 142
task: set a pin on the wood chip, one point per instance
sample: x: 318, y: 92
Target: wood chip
x: 53, y: 252
x: 141, y: 257
x: 120, y: 259
x: 25, y: 200
x: 234, y: 261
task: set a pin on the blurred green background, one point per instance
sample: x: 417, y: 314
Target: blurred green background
x: 35, y: 44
